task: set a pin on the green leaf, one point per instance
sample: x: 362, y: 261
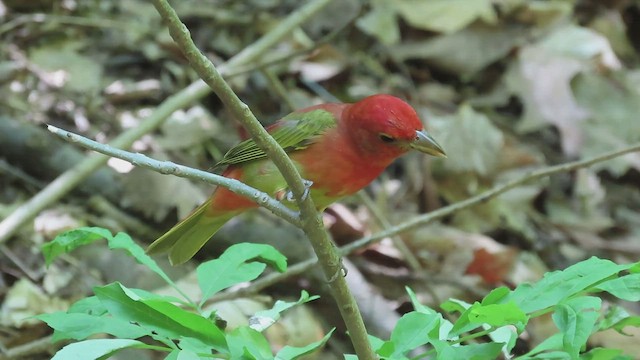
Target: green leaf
x: 70, y: 240
x: 576, y: 319
x: 455, y: 305
x: 183, y: 355
x: 166, y: 320
x: 459, y: 132
x: 290, y: 352
x: 416, y: 304
x: 90, y: 305
x: 468, y: 352
x: 446, y: 16
x: 381, y: 22
x: 261, y: 320
x: 613, y: 314
x: 630, y: 321
x: 625, y: 288
x: 83, y: 73
x: 124, y: 242
x: 559, y: 285
x: 604, y: 354
x: 203, y: 329
x: 233, y: 267
x: 246, y: 343
x: 612, y: 101
x: 376, y: 342
x: 412, y: 330
x: 464, y: 323
x: 497, y: 315
x: 495, y: 295
x: 194, y: 345
x: 505, y: 335
x: 96, y: 348
x: 449, y: 52
x: 80, y: 326
x: 553, y: 342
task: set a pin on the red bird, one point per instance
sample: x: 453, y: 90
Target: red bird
x: 339, y: 148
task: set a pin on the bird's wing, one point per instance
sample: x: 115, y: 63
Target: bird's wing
x: 294, y: 132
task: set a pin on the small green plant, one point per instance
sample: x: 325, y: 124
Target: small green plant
x: 185, y: 332
x: 483, y: 330
x: 503, y: 314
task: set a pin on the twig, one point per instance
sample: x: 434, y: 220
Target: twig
x: 170, y: 168
x: 312, y: 221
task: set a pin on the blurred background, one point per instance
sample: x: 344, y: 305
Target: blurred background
x: 505, y: 86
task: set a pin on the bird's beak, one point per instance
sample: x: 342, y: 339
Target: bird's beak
x: 426, y: 144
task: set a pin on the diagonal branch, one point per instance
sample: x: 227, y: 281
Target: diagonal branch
x: 170, y: 168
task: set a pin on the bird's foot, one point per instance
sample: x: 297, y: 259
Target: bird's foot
x: 307, y: 189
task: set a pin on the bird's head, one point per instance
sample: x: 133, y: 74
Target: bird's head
x: 386, y: 126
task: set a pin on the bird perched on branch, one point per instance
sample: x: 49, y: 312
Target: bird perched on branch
x: 338, y: 148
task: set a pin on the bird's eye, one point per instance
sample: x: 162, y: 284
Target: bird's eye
x: 386, y: 138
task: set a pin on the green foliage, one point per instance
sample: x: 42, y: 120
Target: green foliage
x: 503, y: 314
x: 189, y: 332
x: 184, y: 332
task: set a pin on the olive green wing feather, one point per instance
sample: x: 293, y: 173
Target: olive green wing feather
x: 294, y: 132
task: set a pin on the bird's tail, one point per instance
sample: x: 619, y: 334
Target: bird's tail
x: 185, y: 239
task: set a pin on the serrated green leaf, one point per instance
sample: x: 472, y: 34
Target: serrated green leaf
x: 70, y: 240
x: 239, y: 263
x: 96, y: 348
x: 576, y: 319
